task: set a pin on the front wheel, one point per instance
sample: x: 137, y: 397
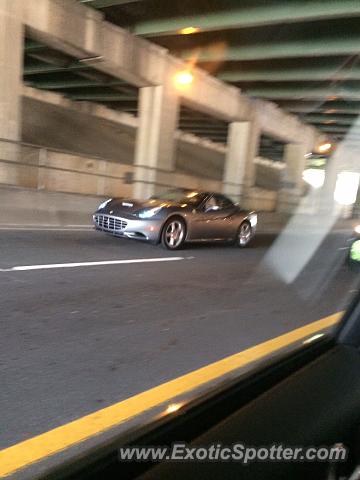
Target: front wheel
x: 173, y: 234
x: 244, y: 234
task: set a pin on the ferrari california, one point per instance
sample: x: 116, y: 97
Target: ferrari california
x: 177, y: 216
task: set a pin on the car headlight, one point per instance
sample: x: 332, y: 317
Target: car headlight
x: 253, y: 220
x: 150, y: 212
x: 357, y: 229
x: 103, y: 204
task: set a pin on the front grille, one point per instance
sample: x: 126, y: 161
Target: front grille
x: 109, y: 224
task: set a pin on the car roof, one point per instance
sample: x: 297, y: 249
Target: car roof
x: 203, y: 192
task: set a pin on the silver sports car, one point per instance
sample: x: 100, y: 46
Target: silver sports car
x: 177, y: 216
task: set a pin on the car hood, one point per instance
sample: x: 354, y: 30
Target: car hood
x: 125, y: 206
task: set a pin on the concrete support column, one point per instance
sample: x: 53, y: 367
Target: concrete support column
x: 11, y: 64
x: 294, y: 156
x: 295, y: 160
x: 239, y: 171
x: 155, y: 139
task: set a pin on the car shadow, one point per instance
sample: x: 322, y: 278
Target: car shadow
x: 262, y: 240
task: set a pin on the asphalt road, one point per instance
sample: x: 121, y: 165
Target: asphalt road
x: 74, y: 340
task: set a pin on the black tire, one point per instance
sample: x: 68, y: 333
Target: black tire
x: 244, y: 234
x: 173, y: 233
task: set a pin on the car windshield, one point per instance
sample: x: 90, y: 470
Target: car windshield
x: 181, y: 196
x: 240, y: 119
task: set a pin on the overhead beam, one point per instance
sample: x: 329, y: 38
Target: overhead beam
x: 215, y: 139
x: 321, y: 106
x: 202, y: 124
x: 291, y: 75
x: 305, y: 93
x: 285, y: 12
x: 101, y: 97
x: 337, y: 129
x: 202, y: 130
x: 39, y: 69
x: 107, y: 3
x: 32, y: 46
x: 78, y: 83
x: 321, y: 119
x: 342, y: 111
x: 311, y: 47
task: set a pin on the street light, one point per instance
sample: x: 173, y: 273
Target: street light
x: 184, y: 78
x: 324, y: 147
x: 189, y: 30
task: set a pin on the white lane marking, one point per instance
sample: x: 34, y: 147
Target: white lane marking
x: 89, y: 264
x: 84, y: 225
x: 48, y: 229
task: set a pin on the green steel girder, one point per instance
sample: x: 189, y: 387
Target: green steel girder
x: 107, y: 3
x: 336, y: 119
x: 207, y: 135
x: 32, y: 46
x: 338, y: 129
x: 311, y: 47
x: 341, y: 111
x: 291, y: 75
x: 203, y: 131
x: 305, y: 93
x: 47, y: 68
x: 203, y: 125
x: 327, y: 108
x: 101, y: 97
x: 67, y: 83
x: 252, y: 16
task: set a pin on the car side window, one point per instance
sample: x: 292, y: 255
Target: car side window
x: 210, y: 204
x: 222, y: 202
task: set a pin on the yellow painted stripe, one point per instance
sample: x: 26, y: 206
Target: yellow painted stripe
x: 30, y: 451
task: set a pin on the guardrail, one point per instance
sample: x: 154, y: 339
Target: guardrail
x: 37, y: 167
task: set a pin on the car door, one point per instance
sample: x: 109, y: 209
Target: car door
x: 214, y: 219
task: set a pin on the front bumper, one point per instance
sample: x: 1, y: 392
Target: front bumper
x: 130, y: 228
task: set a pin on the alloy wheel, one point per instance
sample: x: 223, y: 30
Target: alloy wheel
x: 244, y: 234
x: 174, y: 233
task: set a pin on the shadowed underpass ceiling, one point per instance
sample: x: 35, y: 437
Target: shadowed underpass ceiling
x: 303, y: 55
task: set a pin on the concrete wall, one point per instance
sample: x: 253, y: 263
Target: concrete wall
x: 58, y: 171
x: 269, y: 175
x: 100, y: 156
x: 57, y: 127
x: 197, y: 160
x: 261, y: 200
x: 22, y: 207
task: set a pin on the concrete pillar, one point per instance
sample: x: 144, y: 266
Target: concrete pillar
x: 239, y: 171
x: 155, y: 139
x: 295, y: 160
x: 294, y: 156
x: 11, y: 64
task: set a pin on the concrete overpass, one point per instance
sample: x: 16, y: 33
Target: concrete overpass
x: 67, y: 61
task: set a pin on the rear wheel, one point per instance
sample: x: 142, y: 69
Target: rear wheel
x: 244, y: 234
x: 173, y: 234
